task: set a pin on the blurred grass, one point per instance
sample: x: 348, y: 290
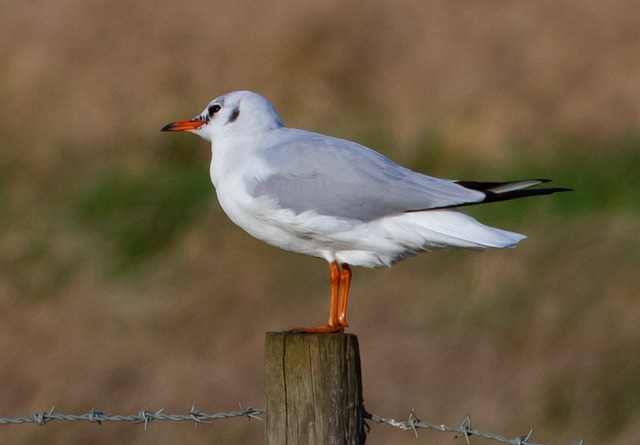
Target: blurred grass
x: 141, y: 214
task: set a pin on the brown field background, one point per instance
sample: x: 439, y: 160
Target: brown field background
x: 124, y: 287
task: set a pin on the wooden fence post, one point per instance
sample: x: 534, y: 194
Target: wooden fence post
x: 314, y: 390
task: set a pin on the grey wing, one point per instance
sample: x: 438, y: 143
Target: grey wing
x: 340, y: 178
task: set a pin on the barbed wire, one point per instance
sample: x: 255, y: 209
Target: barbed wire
x: 463, y: 430
x: 144, y: 416
x: 413, y: 423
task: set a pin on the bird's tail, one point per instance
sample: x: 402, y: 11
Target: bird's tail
x: 502, y: 191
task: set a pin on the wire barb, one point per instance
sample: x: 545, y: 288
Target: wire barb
x: 44, y: 417
x: 413, y: 419
x: 465, y: 428
x: 95, y: 416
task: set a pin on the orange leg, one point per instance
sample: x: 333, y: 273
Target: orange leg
x: 345, y: 281
x: 338, y: 304
x: 334, y: 277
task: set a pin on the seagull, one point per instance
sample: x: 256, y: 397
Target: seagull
x: 335, y: 199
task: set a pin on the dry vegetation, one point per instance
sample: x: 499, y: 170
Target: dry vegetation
x: 124, y: 287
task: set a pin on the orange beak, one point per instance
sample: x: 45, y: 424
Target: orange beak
x: 189, y: 125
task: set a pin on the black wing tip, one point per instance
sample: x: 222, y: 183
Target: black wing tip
x: 555, y: 189
x: 490, y: 197
x: 551, y: 189
x: 486, y: 187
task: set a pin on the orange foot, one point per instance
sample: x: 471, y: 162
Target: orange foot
x: 340, y: 280
x: 327, y: 329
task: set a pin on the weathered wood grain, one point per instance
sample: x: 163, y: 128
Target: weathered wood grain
x: 314, y: 389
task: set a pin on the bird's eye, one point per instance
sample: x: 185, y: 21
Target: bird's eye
x: 213, y: 109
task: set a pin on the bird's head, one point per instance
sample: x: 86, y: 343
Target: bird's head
x: 240, y: 112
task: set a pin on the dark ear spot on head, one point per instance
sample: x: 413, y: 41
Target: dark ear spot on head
x: 234, y: 114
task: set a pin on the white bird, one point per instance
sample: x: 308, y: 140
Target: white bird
x: 335, y: 199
